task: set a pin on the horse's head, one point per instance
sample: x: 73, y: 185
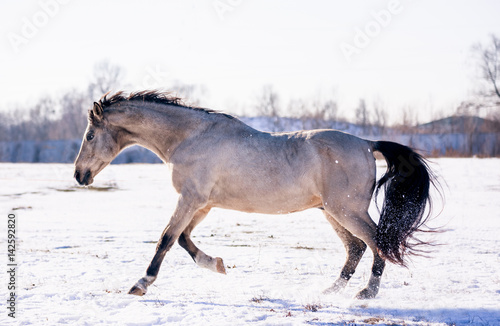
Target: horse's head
x: 100, y: 146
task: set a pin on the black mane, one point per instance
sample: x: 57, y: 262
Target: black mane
x: 151, y: 96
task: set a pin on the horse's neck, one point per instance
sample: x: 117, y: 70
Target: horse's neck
x: 162, y: 131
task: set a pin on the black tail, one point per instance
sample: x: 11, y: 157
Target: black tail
x: 406, y: 184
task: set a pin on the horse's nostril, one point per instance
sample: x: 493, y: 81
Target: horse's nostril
x: 82, y: 179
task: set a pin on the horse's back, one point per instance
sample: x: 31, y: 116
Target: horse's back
x: 238, y: 167
x: 267, y: 173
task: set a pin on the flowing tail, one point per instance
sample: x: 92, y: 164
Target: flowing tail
x: 406, y: 184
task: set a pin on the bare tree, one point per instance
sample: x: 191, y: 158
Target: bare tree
x: 14, y: 119
x: 380, y: 115
x: 35, y: 123
x: 48, y: 119
x: 362, y: 115
x: 192, y: 93
x: 41, y: 116
x: 489, y: 63
x: 107, y: 77
x: 74, y: 106
x: 5, y: 126
x: 268, y: 102
x: 297, y: 108
x: 409, y: 118
x: 317, y: 109
x: 330, y: 110
x: 324, y: 110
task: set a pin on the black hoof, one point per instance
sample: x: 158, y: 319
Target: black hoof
x: 366, y: 294
x: 135, y: 290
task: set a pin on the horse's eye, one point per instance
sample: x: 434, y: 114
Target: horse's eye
x: 90, y: 136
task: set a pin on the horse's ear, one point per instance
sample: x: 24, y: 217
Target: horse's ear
x: 96, y: 114
x: 97, y: 109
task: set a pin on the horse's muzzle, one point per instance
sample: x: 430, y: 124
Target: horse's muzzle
x: 82, y: 180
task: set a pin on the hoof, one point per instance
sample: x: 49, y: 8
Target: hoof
x: 137, y: 290
x: 220, y: 266
x: 338, y: 286
x: 141, y: 287
x: 366, y: 294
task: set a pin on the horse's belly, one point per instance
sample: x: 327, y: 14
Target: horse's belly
x: 271, y: 201
x: 276, y: 183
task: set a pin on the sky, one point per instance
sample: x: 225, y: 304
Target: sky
x: 401, y: 53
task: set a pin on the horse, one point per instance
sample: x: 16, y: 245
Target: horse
x: 219, y: 161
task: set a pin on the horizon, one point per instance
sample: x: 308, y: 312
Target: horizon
x: 404, y: 54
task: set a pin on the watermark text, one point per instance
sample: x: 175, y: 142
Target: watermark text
x: 365, y: 35
x: 30, y: 26
x: 11, y: 265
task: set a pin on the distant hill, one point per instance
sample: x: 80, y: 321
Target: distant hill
x: 460, y: 124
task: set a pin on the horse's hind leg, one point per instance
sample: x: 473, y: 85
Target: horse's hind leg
x: 214, y: 264
x: 355, y: 248
x: 362, y: 226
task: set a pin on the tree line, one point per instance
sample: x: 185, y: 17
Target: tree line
x: 65, y: 117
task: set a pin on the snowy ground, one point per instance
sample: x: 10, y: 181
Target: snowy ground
x: 81, y: 249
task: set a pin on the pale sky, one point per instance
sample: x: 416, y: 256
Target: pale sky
x: 402, y: 52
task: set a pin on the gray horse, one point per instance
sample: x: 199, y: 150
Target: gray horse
x: 218, y: 161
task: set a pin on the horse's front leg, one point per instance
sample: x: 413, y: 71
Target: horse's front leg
x: 214, y: 264
x: 186, y: 207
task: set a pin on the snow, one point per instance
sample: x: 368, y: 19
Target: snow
x: 79, y: 250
